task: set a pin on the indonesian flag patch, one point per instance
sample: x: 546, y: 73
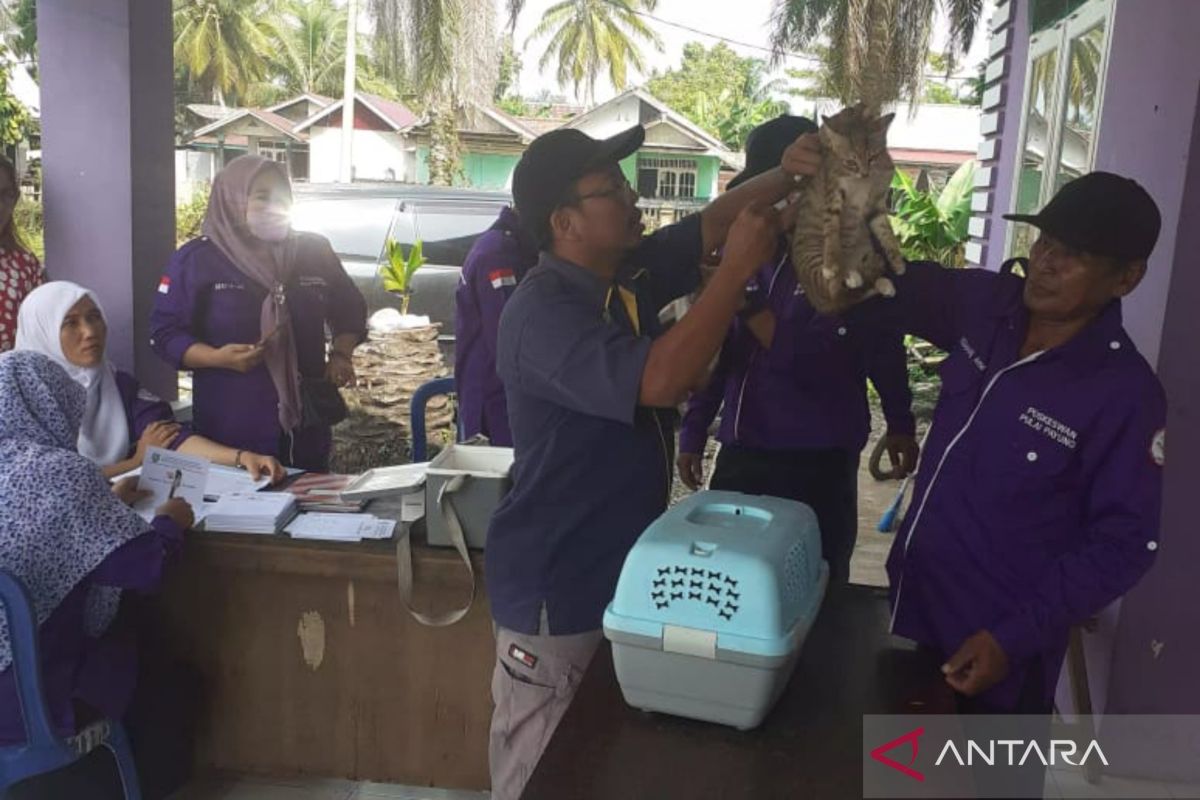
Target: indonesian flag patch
x: 164, y: 285
x: 502, y: 277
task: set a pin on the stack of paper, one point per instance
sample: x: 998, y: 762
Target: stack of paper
x: 318, y: 492
x: 260, y: 512
x: 341, y: 527
x: 229, y: 480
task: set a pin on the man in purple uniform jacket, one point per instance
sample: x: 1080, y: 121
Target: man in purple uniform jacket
x: 1037, y: 500
x: 497, y: 261
x: 794, y: 388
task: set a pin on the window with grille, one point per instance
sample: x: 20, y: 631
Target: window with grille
x: 276, y: 151
x: 1064, y: 85
x: 668, y: 178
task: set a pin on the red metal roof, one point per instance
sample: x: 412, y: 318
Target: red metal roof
x: 947, y: 157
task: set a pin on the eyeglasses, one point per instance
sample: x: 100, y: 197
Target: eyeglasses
x: 623, y: 191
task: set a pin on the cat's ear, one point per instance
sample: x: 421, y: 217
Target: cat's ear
x: 834, y: 124
x: 883, y: 123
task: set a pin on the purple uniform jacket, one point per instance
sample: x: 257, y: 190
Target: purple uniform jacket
x: 142, y: 409
x: 101, y: 672
x: 203, y: 297
x: 1037, y: 498
x: 498, y: 259
x: 809, y: 389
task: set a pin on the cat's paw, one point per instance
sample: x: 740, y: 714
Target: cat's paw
x: 854, y: 279
x: 898, y: 266
x: 828, y: 273
x: 885, y: 287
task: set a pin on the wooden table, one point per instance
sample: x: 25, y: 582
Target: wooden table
x: 312, y: 667
x: 810, y: 747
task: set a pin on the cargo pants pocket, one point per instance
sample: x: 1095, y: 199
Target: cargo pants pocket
x: 529, y: 702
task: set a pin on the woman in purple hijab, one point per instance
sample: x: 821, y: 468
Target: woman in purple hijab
x: 247, y: 307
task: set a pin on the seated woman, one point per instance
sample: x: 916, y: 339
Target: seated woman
x: 74, y: 544
x: 63, y: 320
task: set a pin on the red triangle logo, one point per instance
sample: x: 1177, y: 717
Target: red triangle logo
x: 910, y: 738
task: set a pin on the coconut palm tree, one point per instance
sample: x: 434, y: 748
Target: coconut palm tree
x: 225, y: 44
x: 18, y: 25
x: 447, y: 51
x: 588, y: 37
x: 877, y: 48
x: 312, y: 46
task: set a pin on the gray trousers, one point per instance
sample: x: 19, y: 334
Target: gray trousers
x: 533, y: 684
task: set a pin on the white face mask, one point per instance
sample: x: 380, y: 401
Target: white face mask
x: 271, y: 224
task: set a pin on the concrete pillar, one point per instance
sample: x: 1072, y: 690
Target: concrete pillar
x: 110, y: 182
x: 252, y: 145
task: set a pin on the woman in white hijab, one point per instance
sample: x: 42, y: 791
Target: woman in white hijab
x: 63, y: 321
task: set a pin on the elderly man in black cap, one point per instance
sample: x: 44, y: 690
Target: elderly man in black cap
x: 793, y: 384
x: 591, y: 390
x: 1037, y: 501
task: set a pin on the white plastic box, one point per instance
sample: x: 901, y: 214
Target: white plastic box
x: 713, y: 605
x: 486, y: 482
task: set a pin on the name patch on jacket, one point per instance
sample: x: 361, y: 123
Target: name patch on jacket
x: 225, y: 287
x: 972, y: 356
x: 502, y: 277
x: 1047, y: 425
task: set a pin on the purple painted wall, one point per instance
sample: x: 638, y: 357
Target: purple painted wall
x: 1165, y: 608
x: 108, y: 140
x: 1146, y: 132
x: 1149, y: 130
x: 1014, y: 100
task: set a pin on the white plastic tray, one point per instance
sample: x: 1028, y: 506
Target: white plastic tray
x: 386, y: 481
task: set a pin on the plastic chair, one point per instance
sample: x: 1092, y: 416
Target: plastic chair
x: 43, y: 750
x: 421, y: 398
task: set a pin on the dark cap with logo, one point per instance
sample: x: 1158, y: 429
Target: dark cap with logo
x: 1102, y: 214
x: 766, y: 144
x: 554, y: 161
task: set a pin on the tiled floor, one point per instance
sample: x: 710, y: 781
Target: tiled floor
x: 1060, y: 785
x: 1064, y: 784
x: 316, y: 789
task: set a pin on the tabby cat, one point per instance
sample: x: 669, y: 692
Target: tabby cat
x: 842, y: 243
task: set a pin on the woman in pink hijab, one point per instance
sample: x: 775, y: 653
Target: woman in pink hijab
x: 265, y: 317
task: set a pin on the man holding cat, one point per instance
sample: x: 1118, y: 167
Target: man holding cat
x: 1037, y: 501
x: 591, y: 388
x: 793, y: 384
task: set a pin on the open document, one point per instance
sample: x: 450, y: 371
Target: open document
x: 167, y: 474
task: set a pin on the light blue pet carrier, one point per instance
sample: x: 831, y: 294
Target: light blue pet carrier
x: 713, y: 604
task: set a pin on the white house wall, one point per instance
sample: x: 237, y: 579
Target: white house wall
x: 612, y: 119
x: 193, y: 169
x: 375, y: 152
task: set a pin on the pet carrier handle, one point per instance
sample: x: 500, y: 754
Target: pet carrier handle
x: 404, y: 562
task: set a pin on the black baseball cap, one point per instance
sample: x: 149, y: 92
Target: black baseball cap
x: 1102, y: 214
x: 766, y: 144
x: 557, y: 159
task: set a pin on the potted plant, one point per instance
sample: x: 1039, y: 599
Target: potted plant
x: 399, y: 270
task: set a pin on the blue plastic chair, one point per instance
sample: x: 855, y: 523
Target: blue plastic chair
x: 43, y: 750
x: 421, y: 398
